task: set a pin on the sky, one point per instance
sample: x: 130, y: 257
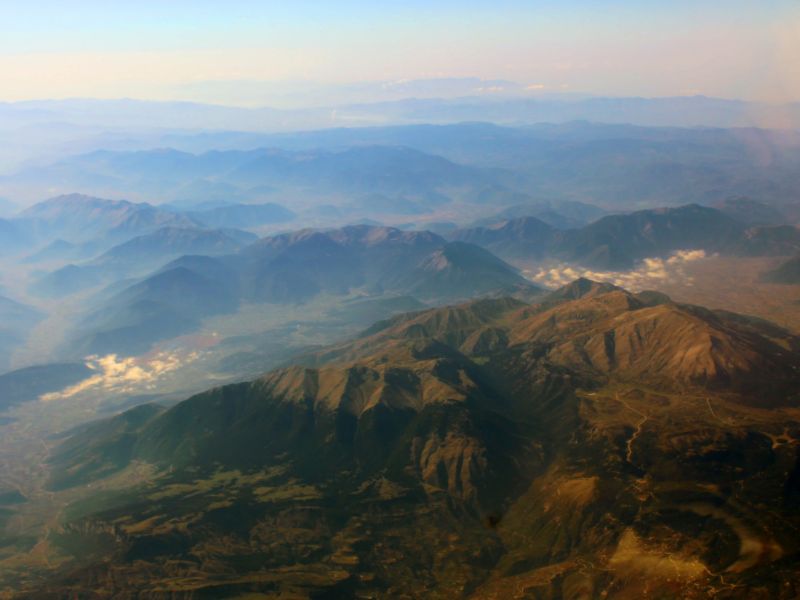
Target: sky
x: 243, y: 52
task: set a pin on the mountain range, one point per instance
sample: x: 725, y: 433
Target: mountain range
x: 79, y: 218
x: 171, y: 175
x: 216, y: 271
x: 431, y: 101
x: 292, y: 268
x: 619, y: 241
x: 614, y: 241
x: 139, y: 256
x: 560, y: 215
x: 618, y: 167
x: 296, y: 351
x: 593, y: 441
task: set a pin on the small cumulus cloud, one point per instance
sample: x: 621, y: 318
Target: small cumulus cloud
x: 684, y: 256
x: 650, y: 272
x: 118, y: 375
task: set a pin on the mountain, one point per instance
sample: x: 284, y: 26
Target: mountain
x: 619, y: 241
x: 580, y: 288
x: 620, y: 167
x: 243, y: 176
x: 170, y: 303
x: 436, y: 100
x: 559, y: 215
x: 140, y: 255
x: 460, y: 269
x: 602, y: 330
x: 450, y: 325
x: 524, y: 237
x: 79, y: 218
x: 370, y: 168
x: 552, y: 218
x: 595, y: 440
x: 787, y: 273
x: 295, y: 268
x: 168, y: 242
x: 681, y: 111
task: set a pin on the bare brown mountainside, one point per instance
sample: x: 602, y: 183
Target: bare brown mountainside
x: 602, y: 330
x: 596, y: 443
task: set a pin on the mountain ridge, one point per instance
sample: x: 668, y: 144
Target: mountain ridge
x: 538, y: 450
x: 619, y: 241
x: 295, y: 268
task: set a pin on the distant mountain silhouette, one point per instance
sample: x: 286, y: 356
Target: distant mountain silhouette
x: 139, y: 256
x: 80, y: 218
x: 523, y: 237
x: 294, y: 268
x: 619, y: 241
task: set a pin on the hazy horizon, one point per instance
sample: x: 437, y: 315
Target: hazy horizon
x: 294, y: 89
x: 274, y: 54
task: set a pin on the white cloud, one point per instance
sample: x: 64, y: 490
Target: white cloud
x: 648, y: 274
x: 115, y: 375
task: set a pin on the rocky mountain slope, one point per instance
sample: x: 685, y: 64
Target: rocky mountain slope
x: 596, y: 443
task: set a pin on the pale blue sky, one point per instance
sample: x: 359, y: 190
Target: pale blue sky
x: 151, y: 49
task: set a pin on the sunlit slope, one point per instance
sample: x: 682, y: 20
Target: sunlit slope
x: 597, y: 441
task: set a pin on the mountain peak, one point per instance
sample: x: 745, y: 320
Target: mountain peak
x: 615, y: 334
x: 71, y: 201
x: 582, y: 288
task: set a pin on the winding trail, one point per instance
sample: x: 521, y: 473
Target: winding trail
x: 716, y: 416
x: 636, y: 433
